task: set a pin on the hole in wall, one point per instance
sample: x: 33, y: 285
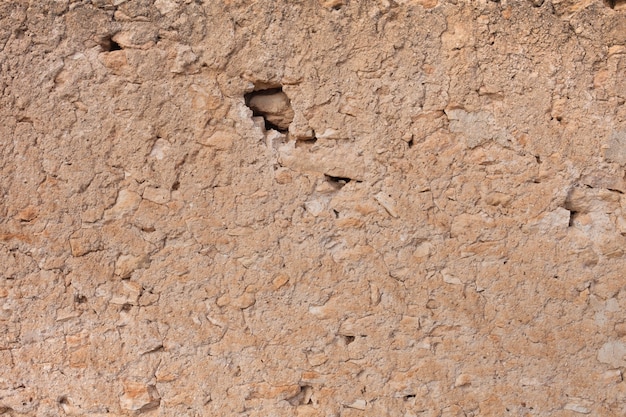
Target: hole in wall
x: 80, y: 299
x: 20, y: 32
x: 115, y: 46
x: 572, y: 217
x: 306, y: 143
x: 616, y: 4
x: 339, y: 182
x: 156, y: 349
x: 273, y: 105
x: 107, y: 44
x: 347, y: 339
x: 303, y: 396
x: 333, y: 4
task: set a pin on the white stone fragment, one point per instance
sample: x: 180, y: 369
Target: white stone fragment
x: 159, y: 149
x: 315, y: 207
x: 360, y: 404
x: 613, y: 353
x: 613, y: 376
x: 328, y: 134
x: 552, y: 221
x: 316, y: 310
x: 387, y: 202
x: 449, y: 278
x: 530, y: 382
x: 578, y: 405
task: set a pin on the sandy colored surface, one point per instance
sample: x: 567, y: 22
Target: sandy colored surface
x: 328, y: 208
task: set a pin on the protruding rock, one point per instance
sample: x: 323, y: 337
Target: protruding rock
x: 274, y: 106
x: 613, y: 353
x: 139, y: 397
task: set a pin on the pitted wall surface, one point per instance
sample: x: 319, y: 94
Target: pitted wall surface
x: 406, y: 208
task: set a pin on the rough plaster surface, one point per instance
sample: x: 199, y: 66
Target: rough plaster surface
x: 312, y: 208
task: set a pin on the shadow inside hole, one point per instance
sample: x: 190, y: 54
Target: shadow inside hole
x: 108, y: 45
x: 305, y: 143
x: 616, y: 4
x: 303, y: 396
x: 259, y: 101
x: 347, y: 339
x: 271, y: 126
x: 337, y: 181
x: 80, y: 299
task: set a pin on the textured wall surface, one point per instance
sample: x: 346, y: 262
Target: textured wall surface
x: 406, y: 208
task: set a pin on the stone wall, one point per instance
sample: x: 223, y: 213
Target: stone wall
x: 312, y: 208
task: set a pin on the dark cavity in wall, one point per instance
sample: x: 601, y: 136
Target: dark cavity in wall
x: 273, y: 105
x: 337, y: 181
x: 616, y: 4
x: 572, y: 217
x: 108, y: 45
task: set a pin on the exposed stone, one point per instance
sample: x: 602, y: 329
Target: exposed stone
x: 579, y: 405
x: 613, y: 376
x: 127, y: 201
x: 387, y: 202
x: 359, y: 404
x: 312, y: 208
x: 126, y: 264
x: 616, y: 148
x: 139, y: 397
x: 613, y: 353
x: 85, y: 241
x: 463, y: 380
x: 315, y: 207
x: 157, y: 195
x: 275, y: 107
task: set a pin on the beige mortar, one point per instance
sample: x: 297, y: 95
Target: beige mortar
x: 438, y: 228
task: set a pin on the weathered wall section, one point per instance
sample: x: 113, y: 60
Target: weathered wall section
x: 312, y: 208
